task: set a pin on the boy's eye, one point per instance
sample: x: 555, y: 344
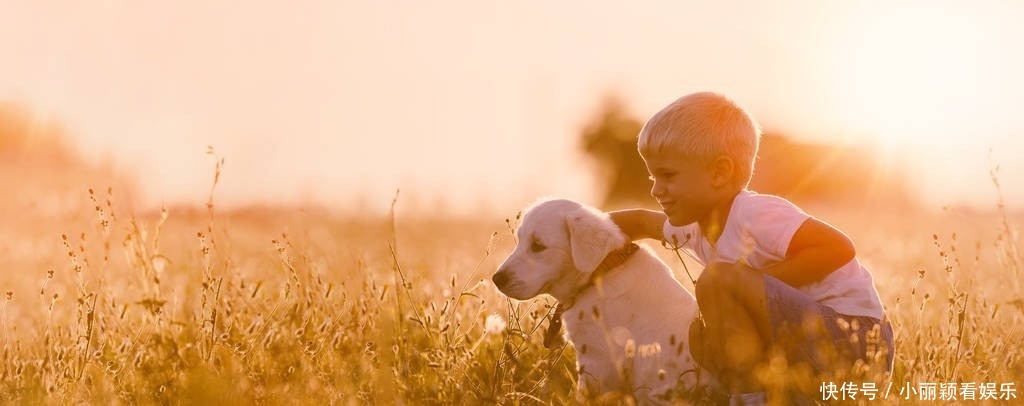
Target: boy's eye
x: 536, y: 246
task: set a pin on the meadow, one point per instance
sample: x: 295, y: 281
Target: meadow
x: 307, y: 306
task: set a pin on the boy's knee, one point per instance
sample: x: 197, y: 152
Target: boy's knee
x: 736, y: 280
x: 705, y: 282
x: 713, y: 280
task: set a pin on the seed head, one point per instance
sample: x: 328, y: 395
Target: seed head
x: 494, y: 324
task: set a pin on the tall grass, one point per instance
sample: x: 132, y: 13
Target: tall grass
x: 289, y: 306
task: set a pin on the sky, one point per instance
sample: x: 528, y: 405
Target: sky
x: 462, y: 103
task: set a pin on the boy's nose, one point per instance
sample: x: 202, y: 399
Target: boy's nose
x: 656, y: 190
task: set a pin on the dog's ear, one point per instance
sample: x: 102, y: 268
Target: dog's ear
x: 591, y: 237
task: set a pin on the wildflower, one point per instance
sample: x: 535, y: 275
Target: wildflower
x: 494, y: 324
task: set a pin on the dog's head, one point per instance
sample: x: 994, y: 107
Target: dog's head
x: 560, y: 243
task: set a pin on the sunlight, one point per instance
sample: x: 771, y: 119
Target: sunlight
x: 914, y: 78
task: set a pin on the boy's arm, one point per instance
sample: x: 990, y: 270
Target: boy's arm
x: 640, y: 223
x: 816, y: 250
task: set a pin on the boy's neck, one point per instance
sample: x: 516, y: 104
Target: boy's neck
x: 713, y: 224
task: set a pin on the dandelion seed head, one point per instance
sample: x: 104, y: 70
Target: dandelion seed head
x: 494, y: 324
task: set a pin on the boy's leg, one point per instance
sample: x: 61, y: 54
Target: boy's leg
x: 822, y: 345
x: 737, y: 327
x: 746, y: 313
x: 800, y: 336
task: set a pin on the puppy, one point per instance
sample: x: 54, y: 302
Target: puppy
x: 624, y: 312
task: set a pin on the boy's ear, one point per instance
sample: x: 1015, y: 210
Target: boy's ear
x: 723, y: 171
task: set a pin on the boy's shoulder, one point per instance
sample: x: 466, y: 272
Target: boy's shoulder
x: 750, y: 199
x: 752, y: 206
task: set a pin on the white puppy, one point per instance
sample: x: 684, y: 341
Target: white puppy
x: 625, y: 313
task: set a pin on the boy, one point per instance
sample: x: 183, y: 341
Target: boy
x: 774, y: 277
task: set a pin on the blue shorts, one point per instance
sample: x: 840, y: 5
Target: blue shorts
x: 851, y: 338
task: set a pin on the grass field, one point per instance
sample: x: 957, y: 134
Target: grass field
x: 308, y: 307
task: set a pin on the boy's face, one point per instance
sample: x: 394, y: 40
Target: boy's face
x: 686, y: 189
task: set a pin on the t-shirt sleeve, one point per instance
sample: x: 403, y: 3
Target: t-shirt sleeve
x: 771, y: 222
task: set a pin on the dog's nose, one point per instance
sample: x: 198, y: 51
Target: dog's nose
x: 500, y: 278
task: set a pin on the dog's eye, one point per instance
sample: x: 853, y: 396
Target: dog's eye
x: 536, y: 246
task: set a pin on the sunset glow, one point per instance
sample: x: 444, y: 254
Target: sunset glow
x: 916, y: 75
x: 461, y: 104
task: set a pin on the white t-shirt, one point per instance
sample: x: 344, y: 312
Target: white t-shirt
x: 758, y: 230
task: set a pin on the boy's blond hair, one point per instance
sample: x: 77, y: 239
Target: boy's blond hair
x: 703, y: 126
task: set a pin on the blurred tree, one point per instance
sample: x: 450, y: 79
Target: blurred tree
x: 41, y: 173
x: 610, y: 139
x: 24, y: 138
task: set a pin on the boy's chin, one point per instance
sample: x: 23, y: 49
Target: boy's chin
x: 679, y: 220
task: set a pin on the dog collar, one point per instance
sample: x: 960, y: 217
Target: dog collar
x: 610, y: 261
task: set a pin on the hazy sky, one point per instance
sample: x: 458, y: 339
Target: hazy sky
x: 477, y: 101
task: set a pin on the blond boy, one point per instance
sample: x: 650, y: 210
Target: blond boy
x: 774, y: 276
